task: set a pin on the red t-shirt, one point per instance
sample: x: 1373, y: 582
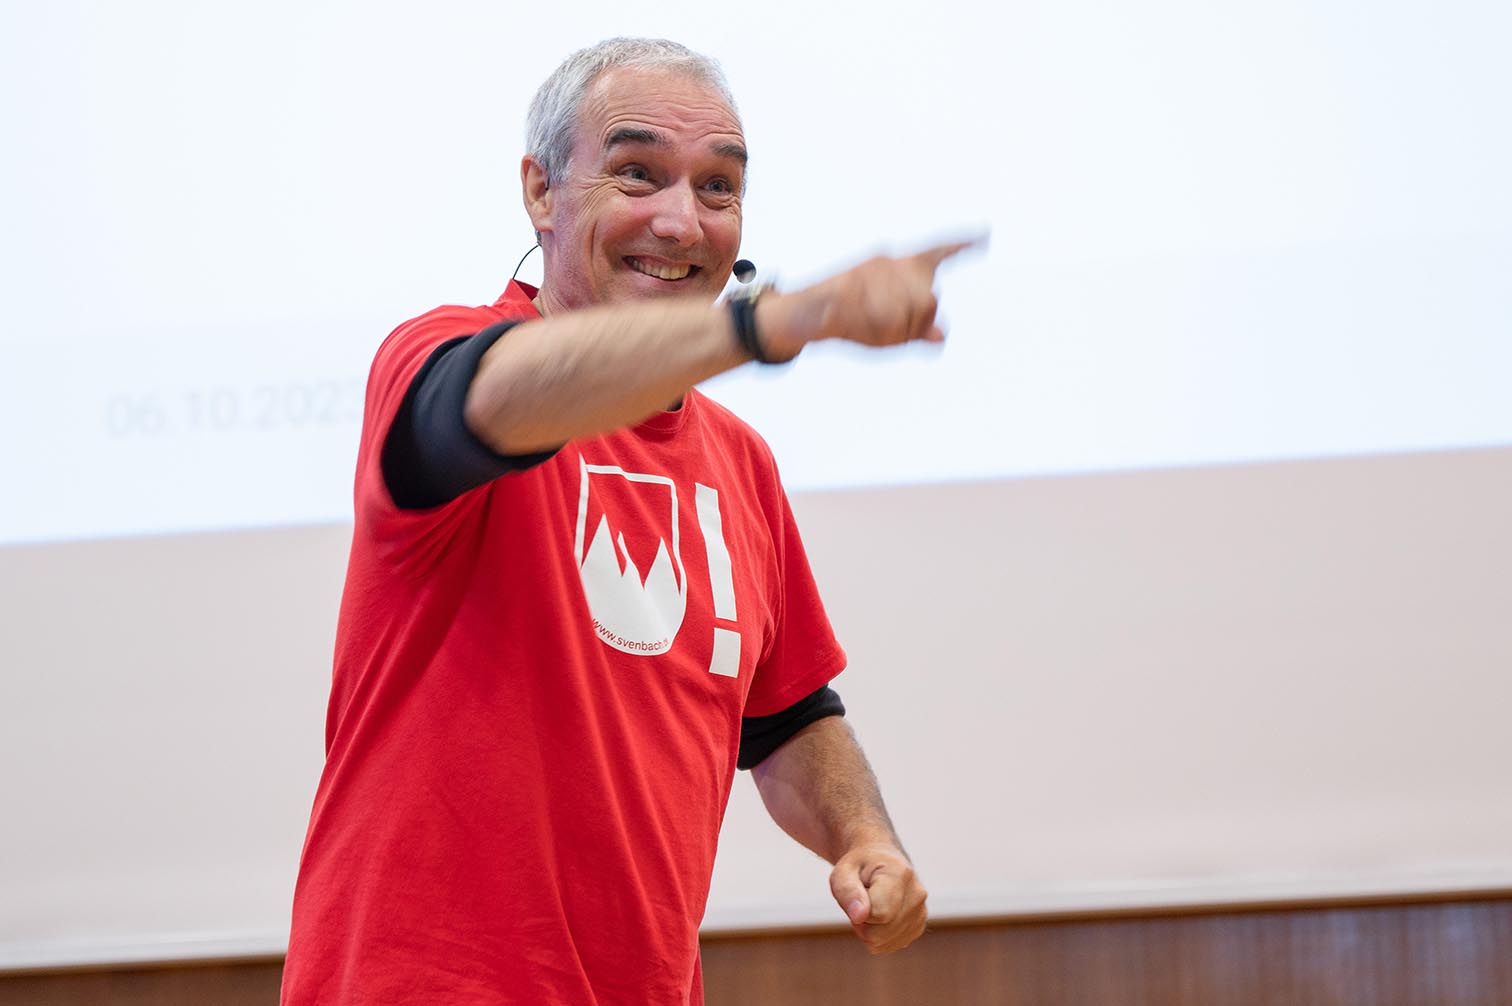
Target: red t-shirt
x: 536, y: 707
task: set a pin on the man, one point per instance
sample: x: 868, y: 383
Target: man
x: 576, y: 597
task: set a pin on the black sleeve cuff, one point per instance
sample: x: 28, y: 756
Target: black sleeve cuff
x: 430, y: 457
x: 761, y: 735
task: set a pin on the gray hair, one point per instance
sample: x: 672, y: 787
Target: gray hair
x: 551, y: 124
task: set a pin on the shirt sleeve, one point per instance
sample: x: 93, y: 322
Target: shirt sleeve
x: 761, y: 735
x: 430, y: 456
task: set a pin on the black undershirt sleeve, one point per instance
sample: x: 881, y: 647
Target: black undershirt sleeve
x: 761, y: 735
x: 430, y: 457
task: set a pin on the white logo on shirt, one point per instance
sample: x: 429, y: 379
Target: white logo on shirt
x: 632, y: 611
x: 640, y: 611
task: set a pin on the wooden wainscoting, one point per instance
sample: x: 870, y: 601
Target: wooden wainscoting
x: 1441, y: 952
x: 1427, y: 954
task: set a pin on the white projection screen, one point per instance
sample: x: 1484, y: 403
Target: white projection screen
x: 1179, y: 575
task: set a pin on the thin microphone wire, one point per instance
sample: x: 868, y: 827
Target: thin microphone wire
x: 523, y: 258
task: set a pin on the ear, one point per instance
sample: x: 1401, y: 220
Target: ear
x: 538, y: 194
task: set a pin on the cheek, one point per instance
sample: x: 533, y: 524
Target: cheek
x: 595, y: 215
x: 615, y: 215
x: 724, y: 232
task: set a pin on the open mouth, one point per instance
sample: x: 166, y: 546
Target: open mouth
x: 665, y: 271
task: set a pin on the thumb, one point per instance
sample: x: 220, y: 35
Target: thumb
x: 850, y: 893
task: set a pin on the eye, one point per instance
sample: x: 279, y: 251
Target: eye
x: 635, y: 173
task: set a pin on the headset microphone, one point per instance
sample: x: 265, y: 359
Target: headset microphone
x: 524, y: 257
x: 745, y: 270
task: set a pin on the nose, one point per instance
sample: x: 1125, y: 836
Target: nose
x: 676, y: 216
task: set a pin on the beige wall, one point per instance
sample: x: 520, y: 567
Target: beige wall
x: 1220, y: 684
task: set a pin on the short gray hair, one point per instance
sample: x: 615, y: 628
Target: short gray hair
x: 551, y: 125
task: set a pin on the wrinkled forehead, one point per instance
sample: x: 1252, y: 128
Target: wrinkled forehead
x: 630, y: 104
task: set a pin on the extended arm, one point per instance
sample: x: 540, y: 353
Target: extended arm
x: 819, y: 789
x: 595, y: 370
x: 588, y: 371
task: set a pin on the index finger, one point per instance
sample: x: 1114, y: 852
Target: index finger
x: 932, y: 257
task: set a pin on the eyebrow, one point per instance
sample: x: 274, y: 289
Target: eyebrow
x: 635, y: 134
x: 732, y: 150
x: 652, y: 138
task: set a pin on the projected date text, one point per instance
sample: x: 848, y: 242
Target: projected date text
x: 232, y: 409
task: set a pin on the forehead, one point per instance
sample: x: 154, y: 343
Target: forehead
x: 666, y: 101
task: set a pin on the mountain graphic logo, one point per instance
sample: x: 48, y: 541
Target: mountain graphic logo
x: 628, y: 556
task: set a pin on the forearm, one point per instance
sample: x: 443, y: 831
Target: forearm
x: 819, y: 789
x: 590, y: 371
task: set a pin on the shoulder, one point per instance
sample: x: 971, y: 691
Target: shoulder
x: 421, y: 334
x: 403, y: 354
x: 407, y: 347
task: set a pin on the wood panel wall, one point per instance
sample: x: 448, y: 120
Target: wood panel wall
x: 1440, y: 953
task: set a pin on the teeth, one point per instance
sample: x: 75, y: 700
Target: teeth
x: 667, y: 272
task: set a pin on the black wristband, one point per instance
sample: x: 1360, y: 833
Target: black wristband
x: 743, y: 314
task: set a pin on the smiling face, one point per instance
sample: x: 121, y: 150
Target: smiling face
x: 649, y: 205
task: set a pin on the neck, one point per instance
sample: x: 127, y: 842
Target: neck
x: 546, y: 301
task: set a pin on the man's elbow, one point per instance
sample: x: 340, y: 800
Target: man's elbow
x: 495, y: 410
x: 480, y: 414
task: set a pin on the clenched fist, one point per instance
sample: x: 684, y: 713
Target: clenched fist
x: 881, y: 895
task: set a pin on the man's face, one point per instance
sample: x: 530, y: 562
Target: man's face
x: 650, y: 204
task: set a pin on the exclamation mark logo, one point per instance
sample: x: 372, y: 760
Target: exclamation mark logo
x: 726, y: 656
